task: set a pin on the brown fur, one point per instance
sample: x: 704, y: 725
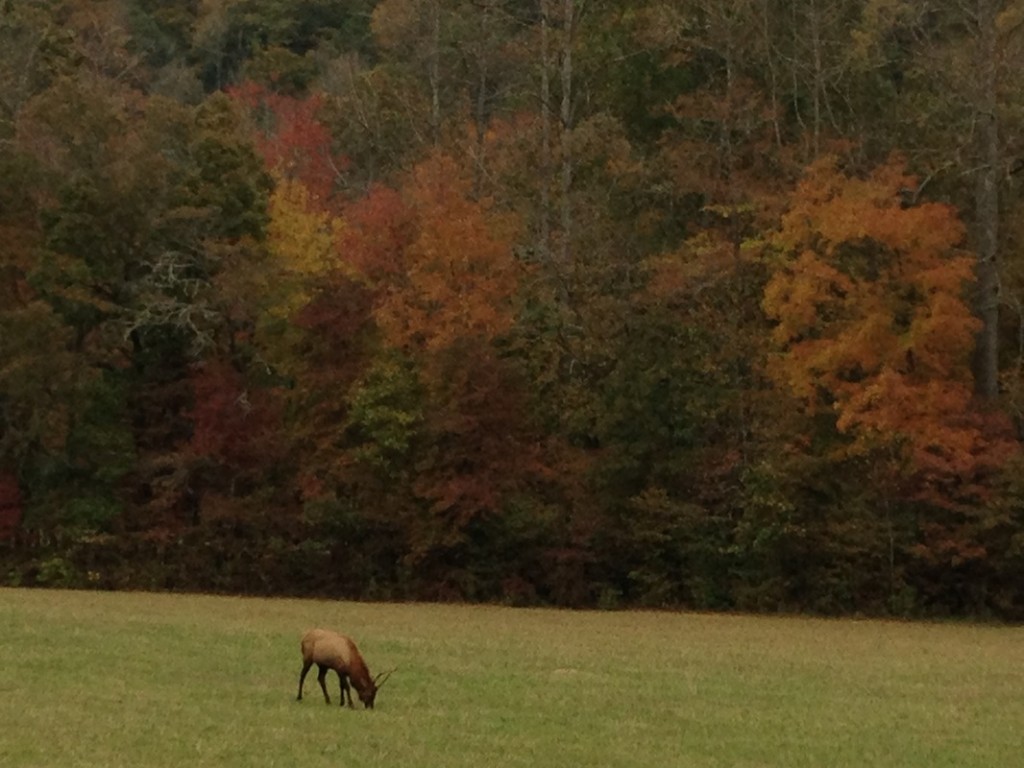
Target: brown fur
x: 331, y: 650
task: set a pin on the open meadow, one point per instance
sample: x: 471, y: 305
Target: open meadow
x: 131, y: 679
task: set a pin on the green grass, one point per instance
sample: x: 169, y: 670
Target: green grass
x: 106, y: 679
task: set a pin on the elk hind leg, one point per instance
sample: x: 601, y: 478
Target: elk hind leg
x: 302, y: 677
x: 322, y: 679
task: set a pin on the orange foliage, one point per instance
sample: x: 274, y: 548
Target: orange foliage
x: 444, y: 276
x: 870, y: 322
x: 442, y: 262
x: 374, y: 235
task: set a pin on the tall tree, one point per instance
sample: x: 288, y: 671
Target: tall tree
x: 958, y: 119
x: 445, y: 282
x: 873, y: 328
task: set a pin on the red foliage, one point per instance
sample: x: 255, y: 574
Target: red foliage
x: 292, y: 140
x: 333, y: 356
x: 10, y: 505
x: 338, y: 314
x: 231, y: 423
x: 443, y: 275
x: 487, y: 449
x: 378, y: 228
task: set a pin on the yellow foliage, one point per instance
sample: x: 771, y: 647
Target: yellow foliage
x: 301, y: 238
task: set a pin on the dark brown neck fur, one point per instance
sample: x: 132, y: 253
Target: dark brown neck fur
x: 360, y: 675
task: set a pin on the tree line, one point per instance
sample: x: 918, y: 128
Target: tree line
x: 702, y: 303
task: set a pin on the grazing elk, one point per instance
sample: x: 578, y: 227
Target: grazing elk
x: 330, y: 650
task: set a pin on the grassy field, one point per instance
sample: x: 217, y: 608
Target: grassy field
x: 105, y: 679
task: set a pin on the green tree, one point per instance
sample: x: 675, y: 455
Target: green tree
x: 274, y: 38
x: 142, y: 203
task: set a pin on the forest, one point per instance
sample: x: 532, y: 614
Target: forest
x: 706, y: 304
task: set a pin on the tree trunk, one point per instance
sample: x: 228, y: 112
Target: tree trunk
x: 544, y: 236
x: 480, y: 115
x: 568, y: 24
x: 435, y: 72
x: 773, y: 75
x: 986, y: 200
x: 818, y: 81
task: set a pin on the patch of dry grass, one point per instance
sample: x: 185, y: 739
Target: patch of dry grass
x: 103, y: 679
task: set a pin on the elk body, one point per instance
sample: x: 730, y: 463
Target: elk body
x: 331, y: 650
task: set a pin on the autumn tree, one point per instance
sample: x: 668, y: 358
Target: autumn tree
x: 873, y: 333
x: 957, y: 117
x: 293, y: 140
x: 522, y: 301
x: 451, y: 415
x: 871, y: 319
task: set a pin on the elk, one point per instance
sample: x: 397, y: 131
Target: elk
x: 331, y: 650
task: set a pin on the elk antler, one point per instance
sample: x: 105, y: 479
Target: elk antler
x: 383, y: 677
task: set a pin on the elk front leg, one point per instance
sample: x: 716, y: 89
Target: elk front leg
x: 345, y: 690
